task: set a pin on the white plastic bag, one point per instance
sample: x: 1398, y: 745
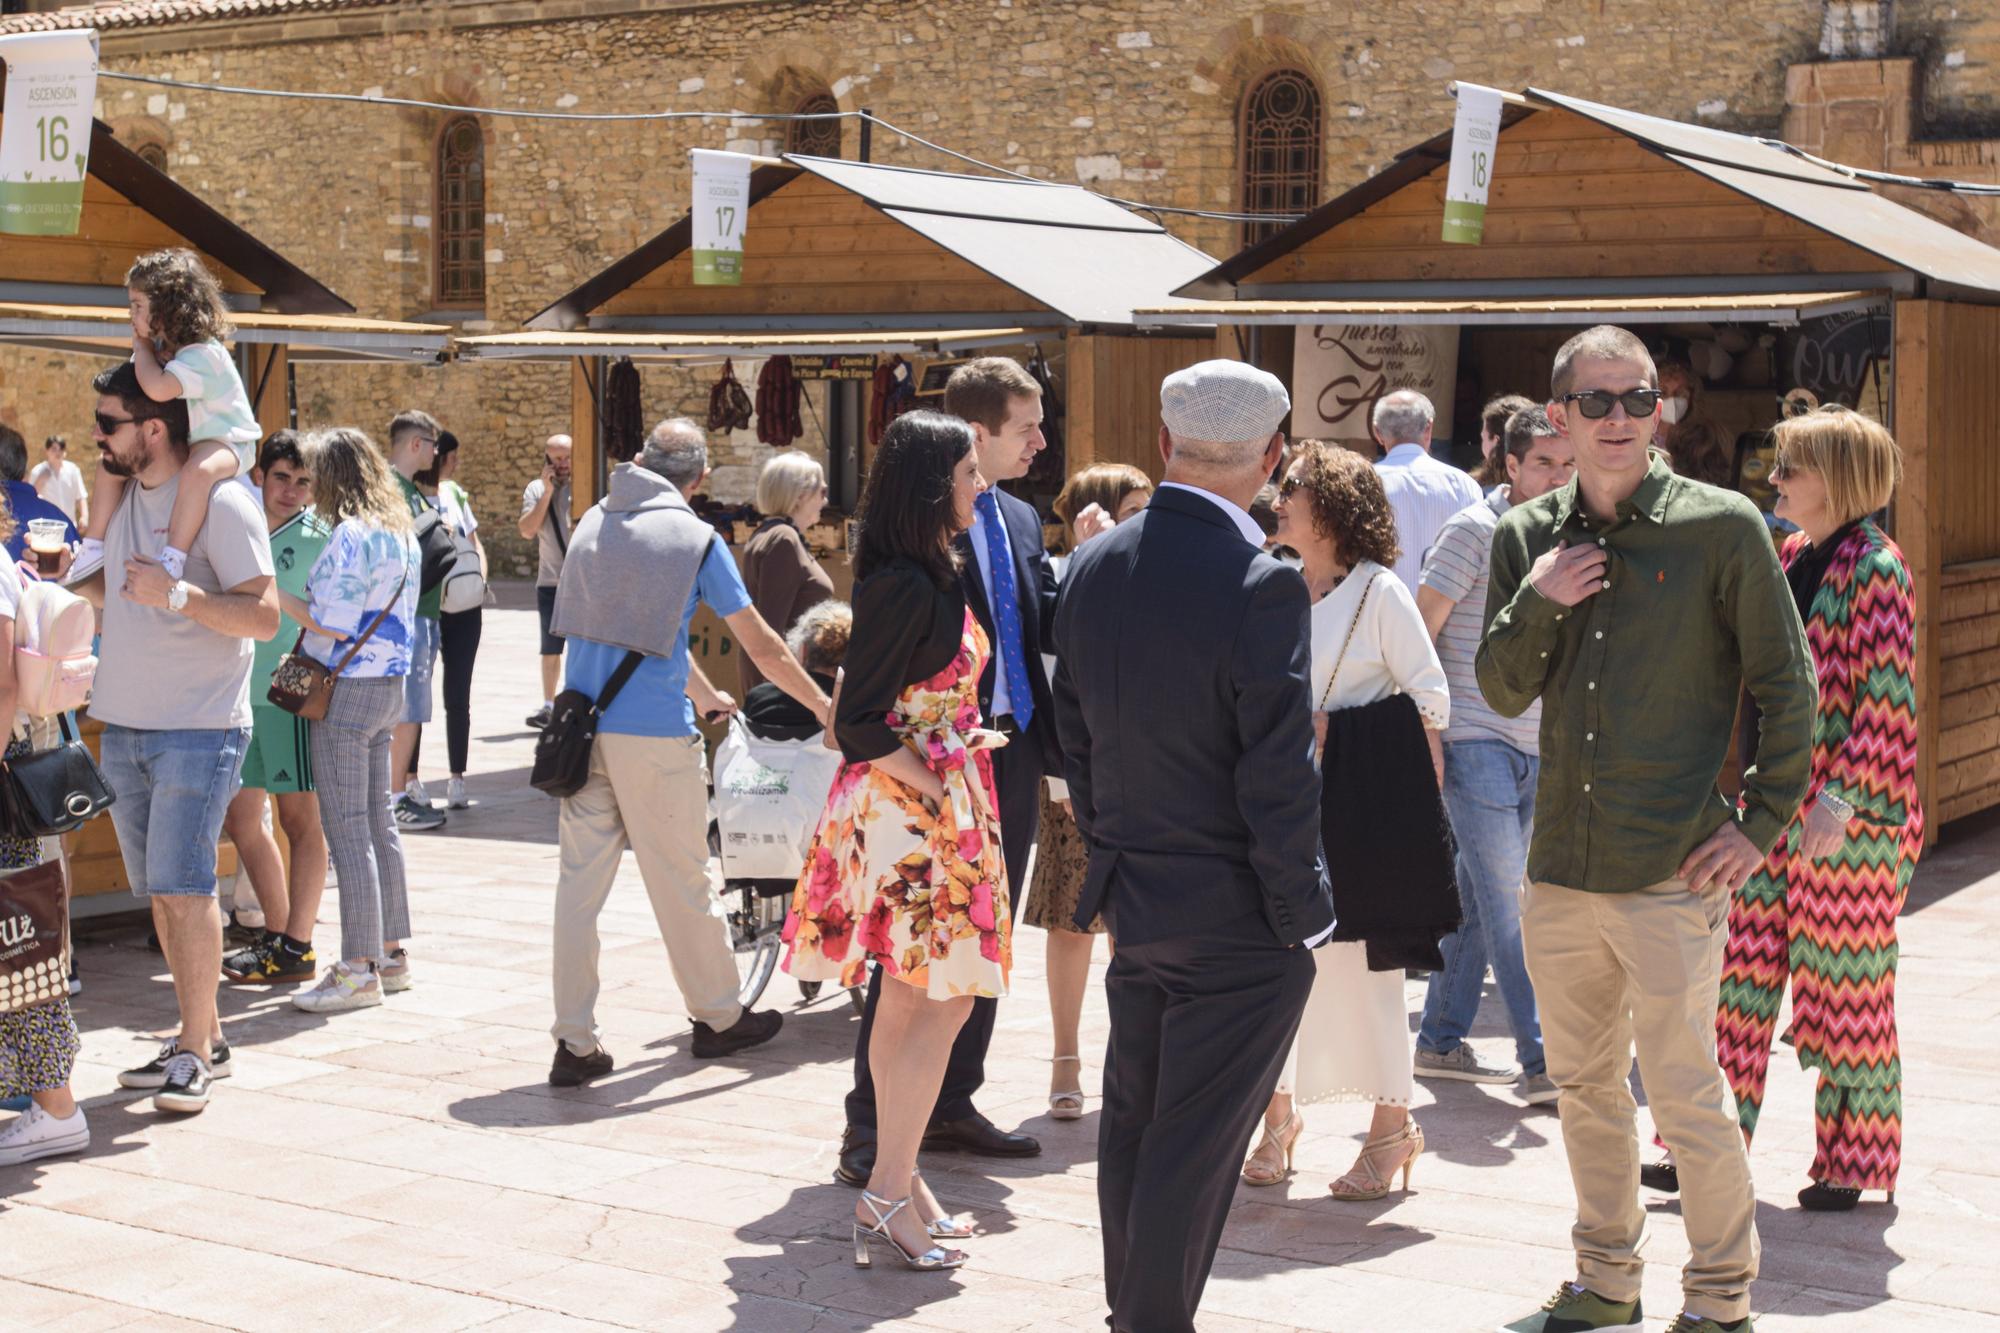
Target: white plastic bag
x: 768, y: 799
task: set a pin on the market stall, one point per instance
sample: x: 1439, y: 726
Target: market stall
x: 66, y: 294
x: 1764, y: 272
x: 874, y: 280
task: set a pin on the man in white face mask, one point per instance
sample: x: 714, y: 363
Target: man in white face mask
x: 1693, y: 443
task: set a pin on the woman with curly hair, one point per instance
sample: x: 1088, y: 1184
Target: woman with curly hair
x: 1368, y: 643
x: 1119, y: 491
x: 178, y: 324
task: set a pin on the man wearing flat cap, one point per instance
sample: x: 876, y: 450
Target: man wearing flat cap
x: 1181, y: 703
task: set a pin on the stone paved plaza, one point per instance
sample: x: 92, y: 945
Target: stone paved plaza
x: 408, y: 1167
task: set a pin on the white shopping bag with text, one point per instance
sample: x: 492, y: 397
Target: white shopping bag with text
x: 768, y: 800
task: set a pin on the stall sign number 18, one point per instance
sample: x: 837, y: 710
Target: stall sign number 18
x: 52, y: 138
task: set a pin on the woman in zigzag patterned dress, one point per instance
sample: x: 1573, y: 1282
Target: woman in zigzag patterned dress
x: 1822, y: 910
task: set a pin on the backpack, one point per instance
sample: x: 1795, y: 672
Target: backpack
x: 438, y: 547
x: 464, y: 585
x: 55, y: 632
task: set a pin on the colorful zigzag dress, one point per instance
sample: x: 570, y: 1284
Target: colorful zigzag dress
x: 1830, y: 925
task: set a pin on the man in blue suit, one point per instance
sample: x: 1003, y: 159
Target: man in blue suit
x: 22, y: 498
x: 1011, y: 588
x: 1181, y: 699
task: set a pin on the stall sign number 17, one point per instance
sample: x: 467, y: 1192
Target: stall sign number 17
x: 725, y: 220
x: 52, y: 138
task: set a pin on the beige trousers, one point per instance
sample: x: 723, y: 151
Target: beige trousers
x: 651, y: 793
x: 1615, y: 971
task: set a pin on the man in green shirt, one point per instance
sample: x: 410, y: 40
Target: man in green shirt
x: 412, y: 449
x: 277, y: 759
x: 1634, y: 604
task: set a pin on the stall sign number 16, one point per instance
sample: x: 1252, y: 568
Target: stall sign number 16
x: 52, y: 138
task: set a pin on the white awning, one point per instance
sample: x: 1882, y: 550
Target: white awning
x: 1747, y: 307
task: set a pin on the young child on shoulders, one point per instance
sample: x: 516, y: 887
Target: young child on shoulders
x: 178, y: 324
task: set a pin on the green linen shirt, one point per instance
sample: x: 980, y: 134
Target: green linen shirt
x: 1640, y: 680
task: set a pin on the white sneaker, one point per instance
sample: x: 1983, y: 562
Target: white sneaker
x: 454, y: 794
x: 35, y: 1134
x: 339, y: 990
x: 418, y: 794
x: 394, y: 972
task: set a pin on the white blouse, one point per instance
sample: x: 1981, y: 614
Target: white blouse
x: 1391, y: 652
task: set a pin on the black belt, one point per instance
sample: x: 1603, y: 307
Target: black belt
x: 1006, y: 726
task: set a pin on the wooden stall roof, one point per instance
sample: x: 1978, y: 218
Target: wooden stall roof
x: 130, y: 207
x: 847, y: 246
x: 1752, y: 307
x: 1584, y: 192
x: 560, y: 346
x: 106, y: 331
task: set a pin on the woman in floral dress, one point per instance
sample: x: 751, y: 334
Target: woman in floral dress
x: 906, y: 870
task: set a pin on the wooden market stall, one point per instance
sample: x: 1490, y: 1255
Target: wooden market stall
x: 851, y: 258
x: 67, y: 294
x: 1598, y: 214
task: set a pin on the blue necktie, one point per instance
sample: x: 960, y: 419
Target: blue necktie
x: 1006, y: 611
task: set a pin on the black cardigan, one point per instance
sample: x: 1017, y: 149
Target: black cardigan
x: 906, y: 629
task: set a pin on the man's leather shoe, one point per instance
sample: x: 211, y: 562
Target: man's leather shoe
x: 572, y: 1071
x: 981, y: 1137
x: 753, y: 1029
x: 857, y: 1157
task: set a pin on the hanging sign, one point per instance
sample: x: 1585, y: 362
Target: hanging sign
x: 844, y: 366
x: 721, y: 209
x: 1340, y: 370
x: 45, y: 141
x: 1474, y: 136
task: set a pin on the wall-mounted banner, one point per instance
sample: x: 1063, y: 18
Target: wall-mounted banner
x: 1339, y: 370
x: 1474, y: 135
x: 45, y: 142
x: 721, y: 208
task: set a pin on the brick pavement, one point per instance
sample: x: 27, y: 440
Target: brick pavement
x: 408, y: 1168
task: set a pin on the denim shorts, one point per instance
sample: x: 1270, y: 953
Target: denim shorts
x: 423, y: 662
x: 172, y: 788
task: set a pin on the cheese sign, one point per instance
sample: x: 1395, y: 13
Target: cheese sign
x: 721, y: 210
x: 1474, y: 136
x: 45, y: 140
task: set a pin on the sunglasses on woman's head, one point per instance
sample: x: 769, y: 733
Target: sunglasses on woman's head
x: 1595, y: 404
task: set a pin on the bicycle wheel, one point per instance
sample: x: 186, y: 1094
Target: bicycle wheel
x: 755, y: 928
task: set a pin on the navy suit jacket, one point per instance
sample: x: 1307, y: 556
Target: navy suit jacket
x: 1035, y: 590
x: 1182, y: 705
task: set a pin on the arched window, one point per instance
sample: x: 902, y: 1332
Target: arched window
x: 460, y: 218
x: 153, y: 155
x: 814, y: 138
x: 1280, y: 148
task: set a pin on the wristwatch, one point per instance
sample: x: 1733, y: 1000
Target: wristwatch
x: 1836, y: 806
x: 177, y: 596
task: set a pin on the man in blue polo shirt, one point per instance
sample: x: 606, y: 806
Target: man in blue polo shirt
x: 637, y: 566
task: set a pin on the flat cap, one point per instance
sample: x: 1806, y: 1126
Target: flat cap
x: 1224, y: 401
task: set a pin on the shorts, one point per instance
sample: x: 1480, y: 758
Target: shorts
x: 545, y: 602
x: 423, y: 661
x: 172, y: 789
x: 278, y: 758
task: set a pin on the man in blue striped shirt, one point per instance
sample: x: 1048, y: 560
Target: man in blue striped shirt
x: 1490, y: 767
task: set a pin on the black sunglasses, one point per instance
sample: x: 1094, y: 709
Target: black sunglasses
x: 1288, y: 487
x: 107, y: 425
x: 1595, y: 404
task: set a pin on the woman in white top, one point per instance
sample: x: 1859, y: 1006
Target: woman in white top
x: 1354, y: 1041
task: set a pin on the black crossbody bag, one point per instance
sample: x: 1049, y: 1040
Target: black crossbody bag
x: 562, y: 755
x: 53, y: 791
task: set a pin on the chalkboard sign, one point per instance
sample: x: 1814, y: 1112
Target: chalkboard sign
x: 1838, y: 357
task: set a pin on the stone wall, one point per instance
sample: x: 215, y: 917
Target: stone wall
x: 1137, y: 98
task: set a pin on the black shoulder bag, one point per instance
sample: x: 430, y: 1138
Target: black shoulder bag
x: 52, y: 791
x: 562, y: 755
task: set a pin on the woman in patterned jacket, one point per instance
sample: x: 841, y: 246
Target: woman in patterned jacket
x: 1822, y: 909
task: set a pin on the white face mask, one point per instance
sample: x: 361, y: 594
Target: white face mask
x: 1673, y: 409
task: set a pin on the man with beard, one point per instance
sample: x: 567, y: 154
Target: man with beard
x: 173, y: 756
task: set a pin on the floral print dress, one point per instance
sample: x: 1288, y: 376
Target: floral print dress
x: 923, y: 894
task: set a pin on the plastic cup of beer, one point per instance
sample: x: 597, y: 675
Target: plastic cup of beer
x: 45, y: 539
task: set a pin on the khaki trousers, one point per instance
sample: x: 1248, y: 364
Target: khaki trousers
x: 1617, y: 970
x: 651, y: 793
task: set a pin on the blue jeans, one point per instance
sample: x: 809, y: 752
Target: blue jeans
x: 424, y: 638
x: 172, y: 788
x: 1489, y: 791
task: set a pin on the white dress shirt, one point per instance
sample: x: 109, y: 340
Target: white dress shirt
x: 1424, y: 492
